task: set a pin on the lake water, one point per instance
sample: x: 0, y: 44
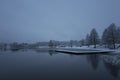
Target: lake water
x: 49, y: 65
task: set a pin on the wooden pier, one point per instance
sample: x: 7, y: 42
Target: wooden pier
x: 84, y: 52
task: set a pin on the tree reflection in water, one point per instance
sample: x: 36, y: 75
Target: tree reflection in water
x: 93, y: 60
x: 112, y: 64
x: 52, y: 52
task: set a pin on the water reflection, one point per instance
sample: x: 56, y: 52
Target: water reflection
x: 14, y: 50
x: 93, y: 60
x: 39, y: 61
x: 112, y: 64
x: 52, y: 52
x: 3, y: 49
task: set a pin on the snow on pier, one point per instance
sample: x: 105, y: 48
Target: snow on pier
x: 84, y: 51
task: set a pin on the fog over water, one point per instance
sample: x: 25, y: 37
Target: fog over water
x: 42, y: 20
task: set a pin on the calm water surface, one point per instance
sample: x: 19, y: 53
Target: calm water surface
x: 49, y: 65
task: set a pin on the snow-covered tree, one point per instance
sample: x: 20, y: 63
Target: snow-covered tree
x: 87, y: 40
x: 118, y: 35
x: 104, y: 37
x: 71, y: 43
x: 111, y: 35
x: 82, y: 42
x: 94, y: 38
x: 51, y: 44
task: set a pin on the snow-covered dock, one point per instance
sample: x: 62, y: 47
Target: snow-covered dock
x: 84, y: 52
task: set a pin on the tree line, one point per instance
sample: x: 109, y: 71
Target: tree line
x: 110, y: 37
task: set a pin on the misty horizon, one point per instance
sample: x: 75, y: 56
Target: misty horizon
x: 62, y: 20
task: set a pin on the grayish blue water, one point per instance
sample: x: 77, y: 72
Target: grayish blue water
x: 49, y: 65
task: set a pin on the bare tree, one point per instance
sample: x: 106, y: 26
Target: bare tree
x: 87, y: 40
x: 94, y: 38
x: 104, y: 37
x: 110, y: 36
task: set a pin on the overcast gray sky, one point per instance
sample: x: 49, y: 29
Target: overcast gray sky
x: 42, y: 20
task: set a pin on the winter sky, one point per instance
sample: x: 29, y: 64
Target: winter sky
x: 42, y: 20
